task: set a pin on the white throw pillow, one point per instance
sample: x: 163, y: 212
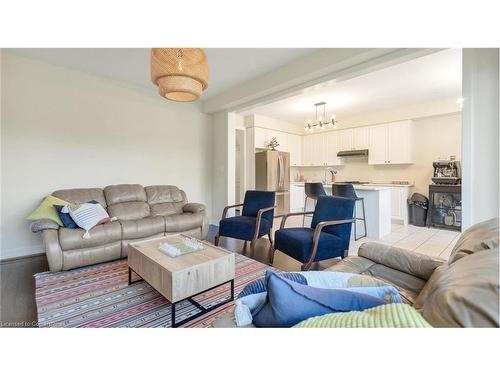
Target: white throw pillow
x: 87, y: 215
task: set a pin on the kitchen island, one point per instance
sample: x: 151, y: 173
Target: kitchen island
x: 377, y: 207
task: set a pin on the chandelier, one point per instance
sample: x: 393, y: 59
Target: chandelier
x: 320, y: 121
x: 181, y: 74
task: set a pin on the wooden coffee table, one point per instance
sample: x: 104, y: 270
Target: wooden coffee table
x: 184, y: 277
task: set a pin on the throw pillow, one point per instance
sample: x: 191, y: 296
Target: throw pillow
x: 331, y: 280
x: 289, y: 303
x: 66, y: 217
x: 393, y: 315
x: 87, y: 215
x: 46, y: 210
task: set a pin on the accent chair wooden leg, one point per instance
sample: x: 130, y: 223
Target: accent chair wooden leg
x: 271, y: 250
x: 271, y: 254
x: 252, y: 249
x: 244, y: 248
x: 306, y: 266
x: 216, y: 239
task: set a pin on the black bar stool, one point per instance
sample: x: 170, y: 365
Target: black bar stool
x: 347, y: 191
x: 313, y: 190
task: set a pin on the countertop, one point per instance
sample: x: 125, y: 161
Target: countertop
x: 371, y: 187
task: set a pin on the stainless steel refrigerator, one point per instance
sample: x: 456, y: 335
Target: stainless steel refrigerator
x: 272, y: 173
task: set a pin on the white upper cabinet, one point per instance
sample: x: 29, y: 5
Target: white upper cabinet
x: 390, y: 143
x: 360, y: 138
x: 281, y: 137
x: 295, y: 149
x: 377, y: 153
x: 332, y: 145
x: 345, y: 139
x: 399, y: 142
x: 314, y: 150
x: 261, y: 137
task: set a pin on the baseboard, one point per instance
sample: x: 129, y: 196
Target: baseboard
x: 21, y: 252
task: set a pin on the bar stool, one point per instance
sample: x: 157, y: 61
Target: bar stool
x: 313, y: 190
x: 347, y: 191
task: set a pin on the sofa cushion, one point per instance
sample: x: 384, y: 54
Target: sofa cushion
x: 408, y: 286
x: 464, y: 293
x: 71, y: 239
x: 298, y: 241
x: 140, y: 228
x: 81, y: 195
x: 165, y: 209
x: 129, y: 210
x: 164, y: 194
x: 165, y: 199
x: 410, y: 262
x: 194, y: 207
x: 183, y: 222
x: 482, y: 236
x: 124, y: 193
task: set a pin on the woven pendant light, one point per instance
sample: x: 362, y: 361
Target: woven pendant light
x: 180, y: 73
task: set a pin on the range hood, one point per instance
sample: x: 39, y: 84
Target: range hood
x: 353, y: 153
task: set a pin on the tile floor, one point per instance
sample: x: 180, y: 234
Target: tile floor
x: 430, y: 241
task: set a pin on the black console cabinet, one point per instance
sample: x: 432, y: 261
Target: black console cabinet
x: 445, y: 206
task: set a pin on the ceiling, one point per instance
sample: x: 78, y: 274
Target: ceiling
x: 423, y: 80
x: 228, y: 67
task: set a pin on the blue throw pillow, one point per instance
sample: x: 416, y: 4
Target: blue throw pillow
x: 259, y: 285
x: 66, y: 219
x: 289, y: 303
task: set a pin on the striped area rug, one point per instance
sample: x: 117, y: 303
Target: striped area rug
x: 99, y: 296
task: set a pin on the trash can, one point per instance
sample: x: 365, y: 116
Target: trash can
x: 418, y: 206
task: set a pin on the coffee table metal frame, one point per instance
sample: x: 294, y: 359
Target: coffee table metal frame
x: 203, y: 310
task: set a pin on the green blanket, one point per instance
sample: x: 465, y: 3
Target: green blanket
x: 393, y: 315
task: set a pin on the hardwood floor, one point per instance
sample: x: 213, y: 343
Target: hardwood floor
x: 17, y: 294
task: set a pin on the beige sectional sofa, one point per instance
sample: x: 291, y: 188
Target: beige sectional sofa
x: 463, y: 292
x: 141, y: 212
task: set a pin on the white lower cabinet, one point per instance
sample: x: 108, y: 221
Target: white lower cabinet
x: 297, y: 196
x: 399, y: 205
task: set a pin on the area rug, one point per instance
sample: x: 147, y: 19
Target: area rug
x: 99, y: 296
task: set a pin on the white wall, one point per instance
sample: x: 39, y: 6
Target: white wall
x: 61, y: 128
x: 480, y: 130
x: 433, y: 138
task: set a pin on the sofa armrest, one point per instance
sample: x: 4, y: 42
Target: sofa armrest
x: 42, y: 224
x: 410, y: 262
x: 193, y: 207
x: 53, y: 249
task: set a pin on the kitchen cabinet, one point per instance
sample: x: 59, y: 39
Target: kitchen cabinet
x: 399, y: 204
x: 261, y: 137
x: 353, y: 139
x: 297, y: 197
x: 281, y: 137
x: 295, y: 149
x: 314, y: 150
x: 345, y: 139
x: 332, y: 148
x: 390, y: 143
x: 360, y: 138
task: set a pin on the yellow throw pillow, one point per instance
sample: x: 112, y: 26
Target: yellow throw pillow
x: 46, y: 210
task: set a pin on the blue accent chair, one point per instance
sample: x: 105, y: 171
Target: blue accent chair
x: 256, y: 219
x: 328, y: 237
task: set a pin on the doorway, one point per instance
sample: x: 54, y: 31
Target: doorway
x: 239, y: 172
